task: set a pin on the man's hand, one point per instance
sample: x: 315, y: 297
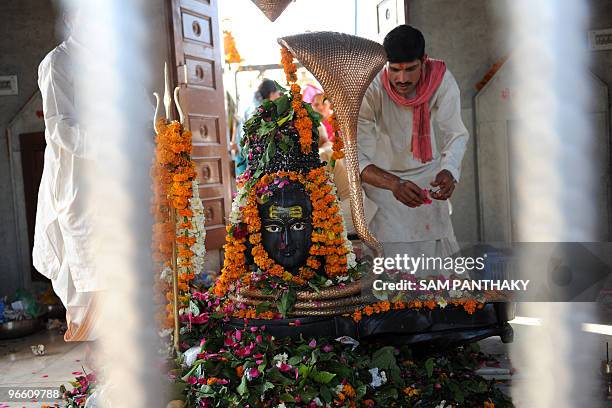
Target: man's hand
x: 408, y: 193
x: 446, y: 183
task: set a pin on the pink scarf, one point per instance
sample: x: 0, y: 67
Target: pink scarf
x: 431, y: 77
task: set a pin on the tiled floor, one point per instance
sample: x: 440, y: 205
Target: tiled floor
x: 19, y: 367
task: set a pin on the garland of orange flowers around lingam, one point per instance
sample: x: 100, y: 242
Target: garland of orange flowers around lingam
x: 175, y: 188
x: 469, y: 305
x: 329, y: 242
x: 302, y: 120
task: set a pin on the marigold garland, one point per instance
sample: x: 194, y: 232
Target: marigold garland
x: 173, y: 176
x: 302, y: 120
x: 232, y: 56
x: 338, y: 145
x: 327, y: 247
x: 469, y: 305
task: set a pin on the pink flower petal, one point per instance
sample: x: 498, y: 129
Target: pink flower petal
x: 253, y: 372
x: 45, y: 376
x: 77, y: 373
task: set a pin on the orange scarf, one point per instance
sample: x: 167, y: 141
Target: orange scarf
x: 431, y: 78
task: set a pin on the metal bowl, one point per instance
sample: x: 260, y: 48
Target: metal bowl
x: 19, y: 328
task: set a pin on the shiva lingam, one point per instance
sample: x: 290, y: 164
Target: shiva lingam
x: 288, y: 263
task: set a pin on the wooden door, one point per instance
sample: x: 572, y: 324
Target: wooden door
x: 32, y: 160
x: 197, y: 61
x: 390, y: 14
x: 375, y: 18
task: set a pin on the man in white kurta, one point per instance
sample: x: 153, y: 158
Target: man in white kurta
x: 62, y: 239
x: 386, y: 160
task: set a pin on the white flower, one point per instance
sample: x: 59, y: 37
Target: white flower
x: 328, y: 283
x: 281, y: 405
x: 239, y: 201
x: 441, y: 302
x: 198, y: 249
x: 377, y: 379
x: 166, y: 275
x: 318, y: 402
x: 165, y: 332
x: 348, y: 340
x: 441, y: 404
x: 351, y: 259
x: 190, y: 356
x: 454, y: 293
x: 280, y: 358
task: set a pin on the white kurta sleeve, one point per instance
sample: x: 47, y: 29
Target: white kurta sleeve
x: 366, y: 129
x: 453, y: 134
x: 57, y: 91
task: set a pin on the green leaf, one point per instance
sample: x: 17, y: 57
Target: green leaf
x: 279, y: 88
x: 266, y: 386
x: 304, y: 371
x: 286, y: 397
x: 263, y: 307
x: 361, y: 391
x: 288, y: 140
x: 283, y: 146
x: 388, y: 393
x: 322, y: 377
x: 284, y: 119
x: 267, y: 104
x: 308, y: 394
x: 266, y: 128
x: 275, y: 375
x: 270, y: 152
x: 429, y: 363
x: 325, y: 394
x: 314, y: 356
x: 286, y: 302
x: 384, y: 358
x: 282, y: 104
x: 457, y: 393
x: 294, y: 360
x: 242, y: 388
x: 206, y: 389
x: 343, y: 371
x: 314, y: 116
x: 315, y: 287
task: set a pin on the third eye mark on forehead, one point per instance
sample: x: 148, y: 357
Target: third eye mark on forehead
x: 277, y: 212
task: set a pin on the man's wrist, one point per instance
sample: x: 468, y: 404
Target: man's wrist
x: 451, y: 173
x: 394, y: 184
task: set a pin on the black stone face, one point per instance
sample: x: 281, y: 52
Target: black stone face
x: 286, y: 226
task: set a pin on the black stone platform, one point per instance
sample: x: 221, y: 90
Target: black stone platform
x: 450, y: 326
